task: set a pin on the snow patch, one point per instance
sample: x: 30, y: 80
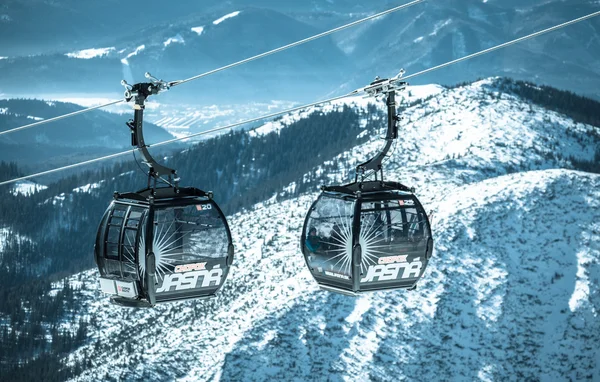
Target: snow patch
x: 86, y: 54
x: 198, y: 30
x: 125, y: 60
x: 27, y: 188
x: 415, y: 92
x: 581, y: 292
x: 227, y: 16
x: 88, y: 187
x: 439, y: 26
x: 5, y: 233
x: 177, y: 39
x: 488, y: 285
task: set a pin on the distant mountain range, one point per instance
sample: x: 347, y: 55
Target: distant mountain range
x: 180, y: 49
x: 94, y: 45
x: 436, y: 32
x: 57, y: 26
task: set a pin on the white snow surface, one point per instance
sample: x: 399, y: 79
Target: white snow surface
x: 86, y: 54
x: 227, y: 16
x: 199, y: 30
x: 511, y: 292
x: 27, y: 187
x: 271, y: 322
x: 125, y: 61
x: 176, y: 39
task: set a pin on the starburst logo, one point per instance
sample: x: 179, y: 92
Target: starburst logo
x: 341, y: 241
x: 167, y: 246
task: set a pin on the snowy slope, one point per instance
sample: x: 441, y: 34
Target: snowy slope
x: 27, y: 188
x: 511, y: 293
x: 489, y: 306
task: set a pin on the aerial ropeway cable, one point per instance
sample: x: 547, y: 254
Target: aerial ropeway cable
x: 271, y: 115
x: 229, y: 66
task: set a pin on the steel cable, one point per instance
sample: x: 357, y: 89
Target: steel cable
x: 535, y: 34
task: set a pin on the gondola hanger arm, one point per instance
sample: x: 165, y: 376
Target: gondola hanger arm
x: 382, y: 86
x: 140, y: 92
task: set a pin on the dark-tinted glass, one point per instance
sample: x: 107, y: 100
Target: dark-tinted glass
x: 327, y: 243
x: 190, y: 246
x: 393, y: 239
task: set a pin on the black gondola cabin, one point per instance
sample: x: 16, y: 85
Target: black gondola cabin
x: 162, y: 247
x: 376, y: 237
x: 368, y: 235
x: 165, y: 243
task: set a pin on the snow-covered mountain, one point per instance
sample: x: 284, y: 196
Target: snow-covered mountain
x: 434, y: 32
x: 45, y: 27
x: 512, y: 291
x: 94, y: 53
x: 181, y: 48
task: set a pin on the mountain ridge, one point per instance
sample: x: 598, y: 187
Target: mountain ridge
x: 425, y: 35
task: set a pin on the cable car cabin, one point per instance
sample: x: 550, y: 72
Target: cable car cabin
x: 366, y: 236
x: 165, y: 247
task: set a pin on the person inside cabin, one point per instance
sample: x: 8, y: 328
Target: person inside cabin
x: 313, y: 242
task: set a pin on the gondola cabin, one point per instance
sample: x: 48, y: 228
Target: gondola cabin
x: 369, y: 235
x: 162, y: 245
x: 366, y: 236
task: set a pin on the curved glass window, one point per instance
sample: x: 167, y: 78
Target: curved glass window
x: 327, y: 243
x: 190, y: 247
x: 118, y: 237
x: 393, y: 239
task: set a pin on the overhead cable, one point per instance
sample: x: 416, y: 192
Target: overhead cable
x: 305, y: 106
x: 265, y: 54
x: 44, y: 121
